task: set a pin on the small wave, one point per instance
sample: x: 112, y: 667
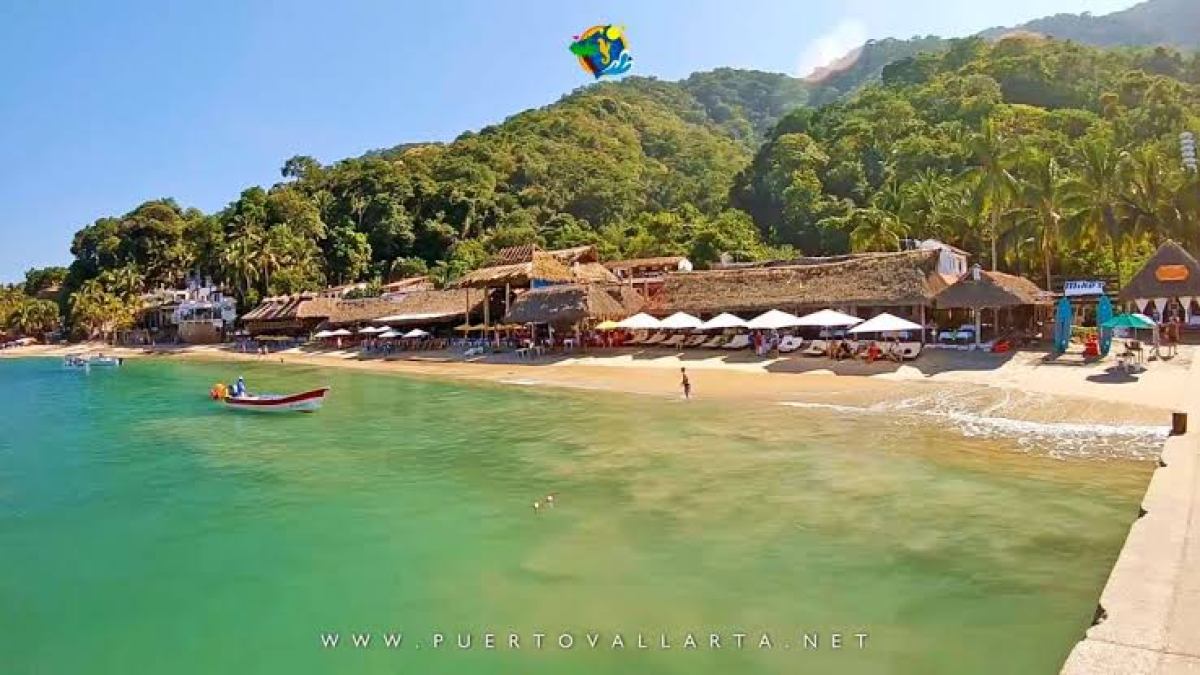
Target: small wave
x: 1060, y: 439
x: 522, y: 382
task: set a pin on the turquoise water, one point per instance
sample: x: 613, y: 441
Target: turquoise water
x: 143, y: 529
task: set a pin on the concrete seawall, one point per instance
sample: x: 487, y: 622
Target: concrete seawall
x: 1148, y: 621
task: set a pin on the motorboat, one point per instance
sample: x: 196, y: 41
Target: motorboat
x: 305, y: 401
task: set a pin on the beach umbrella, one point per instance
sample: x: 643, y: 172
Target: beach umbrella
x: 639, y: 321
x: 1104, y: 312
x: 321, y: 334
x: 885, y: 323
x: 1062, y: 325
x: 680, y: 321
x: 389, y: 334
x: 607, y: 325
x: 416, y: 333
x: 773, y: 320
x: 369, y: 329
x: 829, y: 318
x: 721, y: 321
x: 1134, y: 321
x: 341, y: 332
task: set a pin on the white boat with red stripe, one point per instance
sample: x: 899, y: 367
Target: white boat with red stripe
x: 305, y: 401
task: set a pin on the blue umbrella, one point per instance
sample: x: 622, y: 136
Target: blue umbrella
x: 1062, y: 325
x: 1104, y: 312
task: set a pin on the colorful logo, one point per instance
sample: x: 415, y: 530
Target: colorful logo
x: 602, y: 50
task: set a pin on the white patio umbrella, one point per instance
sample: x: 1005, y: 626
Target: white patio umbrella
x: 341, y: 332
x: 321, y: 334
x: 370, y: 329
x: 415, y: 333
x: 640, y: 321
x: 389, y: 334
x: 680, y: 321
x: 828, y: 318
x: 721, y: 321
x: 773, y: 320
x: 886, y: 323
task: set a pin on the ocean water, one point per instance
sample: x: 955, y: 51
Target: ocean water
x: 144, y: 529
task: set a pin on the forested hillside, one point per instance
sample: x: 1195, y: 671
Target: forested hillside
x: 1062, y: 155
x: 1035, y: 155
x: 1171, y: 23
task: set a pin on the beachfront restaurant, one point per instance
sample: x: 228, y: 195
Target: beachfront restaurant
x: 1166, y: 287
x: 518, y: 269
x: 567, y: 309
x: 903, y: 284
x: 1016, y: 306
x: 435, y: 311
x: 288, y: 315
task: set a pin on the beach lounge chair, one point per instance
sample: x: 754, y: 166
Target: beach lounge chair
x: 714, y: 342
x: 789, y: 344
x: 673, y: 341
x: 694, y: 341
x: 656, y: 338
x: 737, y: 342
x: 909, y: 350
x: 816, y: 348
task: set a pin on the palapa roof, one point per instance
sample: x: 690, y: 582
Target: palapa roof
x: 526, y: 252
x: 432, y: 306
x: 360, y: 310
x: 592, y: 273
x: 636, y: 263
x: 541, y: 267
x: 1171, y: 272
x: 408, y: 285
x: 565, y: 305
x: 286, y: 308
x: 991, y: 289
x: 883, y: 279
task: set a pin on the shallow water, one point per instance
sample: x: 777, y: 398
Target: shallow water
x: 143, y: 529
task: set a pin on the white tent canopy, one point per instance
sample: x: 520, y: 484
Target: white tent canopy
x: 639, y: 321
x: 680, y: 321
x: 773, y: 320
x: 828, y: 318
x: 725, y: 320
x: 416, y: 333
x: 886, y: 323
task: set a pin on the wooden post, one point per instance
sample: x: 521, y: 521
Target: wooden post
x: 467, y: 313
x: 978, y: 324
x: 921, y: 320
x: 507, y: 296
x: 486, y: 310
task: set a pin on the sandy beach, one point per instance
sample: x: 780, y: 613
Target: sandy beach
x: 1020, y: 386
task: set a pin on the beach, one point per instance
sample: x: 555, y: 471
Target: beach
x: 1021, y: 386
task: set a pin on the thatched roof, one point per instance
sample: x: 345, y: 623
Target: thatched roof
x: 565, y: 305
x: 286, y: 308
x: 885, y: 279
x: 541, y: 267
x: 627, y: 295
x: 668, y: 261
x: 408, y: 285
x: 991, y: 290
x: 360, y: 310
x: 434, y: 306
x: 592, y: 273
x: 525, y: 253
x: 1170, y: 273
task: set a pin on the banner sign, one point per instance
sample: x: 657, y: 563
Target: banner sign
x: 1074, y: 288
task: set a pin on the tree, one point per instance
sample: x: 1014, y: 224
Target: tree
x: 1096, y: 188
x: 990, y: 179
x: 39, y: 279
x: 34, y: 317
x: 348, y: 256
x: 1043, y: 186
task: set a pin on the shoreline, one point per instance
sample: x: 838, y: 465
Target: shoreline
x: 1019, y: 386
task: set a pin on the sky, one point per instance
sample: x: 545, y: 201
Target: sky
x: 106, y: 104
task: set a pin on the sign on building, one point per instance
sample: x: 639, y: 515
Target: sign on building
x: 1083, y: 287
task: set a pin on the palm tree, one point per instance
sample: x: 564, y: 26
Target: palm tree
x: 1043, y: 191
x: 1149, y: 194
x: 1097, y: 190
x: 993, y: 184
x: 34, y: 317
x: 240, y: 259
x: 873, y: 229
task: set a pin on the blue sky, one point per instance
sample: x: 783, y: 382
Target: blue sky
x: 106, y: 104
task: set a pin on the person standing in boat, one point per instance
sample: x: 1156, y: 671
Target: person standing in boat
x: 239, y: 387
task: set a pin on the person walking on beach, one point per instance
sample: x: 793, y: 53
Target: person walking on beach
x: 686, y: 384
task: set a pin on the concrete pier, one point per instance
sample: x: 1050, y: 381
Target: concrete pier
x: 1149, y: 615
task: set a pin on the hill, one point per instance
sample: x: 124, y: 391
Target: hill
x: 1171, y: 23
